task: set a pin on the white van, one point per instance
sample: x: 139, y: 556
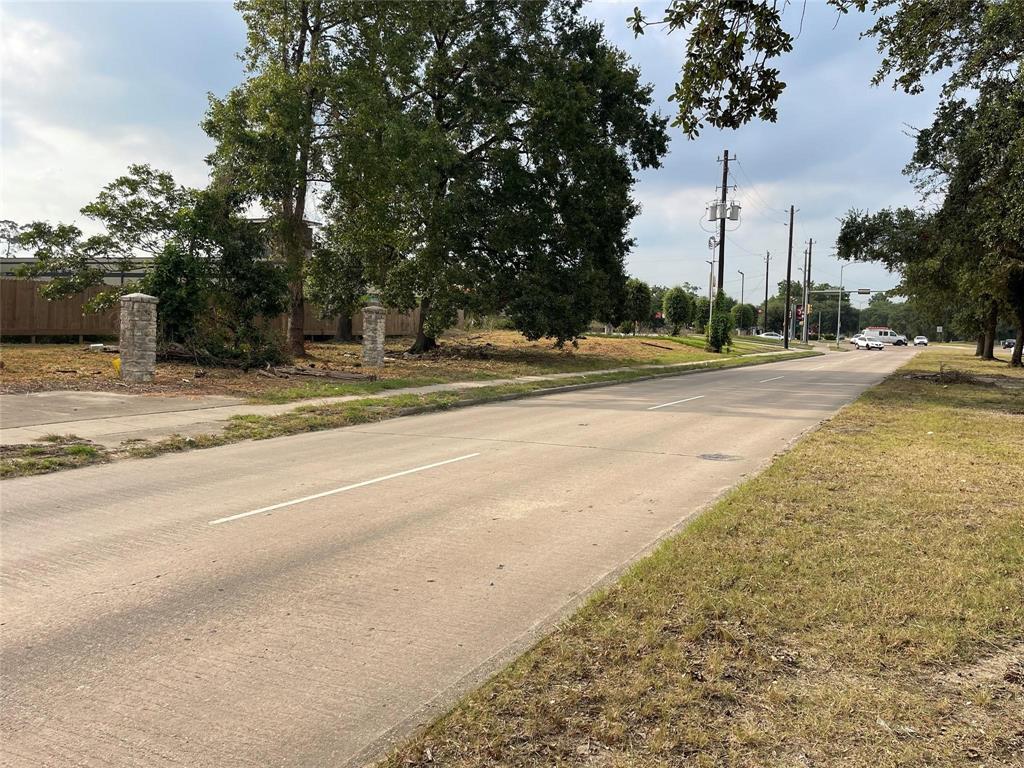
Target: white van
x: 885, y: 335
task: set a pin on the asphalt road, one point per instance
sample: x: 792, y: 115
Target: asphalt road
x: 304, y: 601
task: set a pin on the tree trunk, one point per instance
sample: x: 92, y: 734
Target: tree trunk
x: 296, y: 317
x: 980, y: 346
x: 423, y: 342
x: 344, y: 332
x: 1015, y: 358
x: 988, y: 353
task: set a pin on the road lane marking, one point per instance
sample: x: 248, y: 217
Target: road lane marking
x: 352, y: 487
x: 675, y: 402
x: 773, y: 378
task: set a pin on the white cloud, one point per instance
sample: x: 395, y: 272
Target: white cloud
x: 55, y: 169
x: 34, y: 57
x: 50, y: 166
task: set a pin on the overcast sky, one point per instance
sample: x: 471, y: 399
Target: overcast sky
x: 90, y: 87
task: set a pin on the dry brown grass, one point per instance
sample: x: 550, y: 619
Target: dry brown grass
x: 462, y: 356
x: 861, y: 603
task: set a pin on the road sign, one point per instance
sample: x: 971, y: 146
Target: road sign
x: 863, y: 290
x: 938, y: 329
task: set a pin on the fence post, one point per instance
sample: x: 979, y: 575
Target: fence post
x: 138, y: 337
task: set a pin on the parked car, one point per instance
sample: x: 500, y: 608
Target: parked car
x: 920, y: 341
x: 855, y: 338
x: 865, y: 343
x: 1009, y: 343
x: 770, y: 335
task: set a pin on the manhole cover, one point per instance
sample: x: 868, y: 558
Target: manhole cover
x: 717, y: 457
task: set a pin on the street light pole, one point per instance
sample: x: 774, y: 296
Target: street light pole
x: 743, y: 279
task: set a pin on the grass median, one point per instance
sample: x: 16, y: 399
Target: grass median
x: 860, y: 603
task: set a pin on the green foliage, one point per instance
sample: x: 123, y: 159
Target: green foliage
x: 486, y: 160
x: 179, y: 279
x: 719, y: 330
x: 335, y: 276
x: 140, y: 212
x: 272, y: 130
x: 678, y: 307
x: 701, y: 313
x: 203, y: 261
x: 637, y: 305
x: 743, y: 316
x: 727, y: 77
x: 963, y: 258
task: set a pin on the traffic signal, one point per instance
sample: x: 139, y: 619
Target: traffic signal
x: 799, y: 313
x: 810, y: 309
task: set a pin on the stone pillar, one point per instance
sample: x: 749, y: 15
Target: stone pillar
x: 373, y: 335
x: 138, y: 337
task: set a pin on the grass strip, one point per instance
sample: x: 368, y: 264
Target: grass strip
x: 52, y: 453
x: 860, y: 603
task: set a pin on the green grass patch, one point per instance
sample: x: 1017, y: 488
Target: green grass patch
x: 53, y: 453
x: 860, y: 603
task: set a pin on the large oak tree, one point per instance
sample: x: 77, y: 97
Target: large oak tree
x: 483, y: 159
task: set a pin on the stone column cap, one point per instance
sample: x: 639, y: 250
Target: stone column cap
x: 144, y: 297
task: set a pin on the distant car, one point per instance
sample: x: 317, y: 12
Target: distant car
x: 770, y: 335
x: 865, y: 343
x: 1009, y: 343
x: 920, y: 341
x: 854, y: 339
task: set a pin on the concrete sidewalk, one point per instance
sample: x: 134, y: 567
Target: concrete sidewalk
x: 109, y: 418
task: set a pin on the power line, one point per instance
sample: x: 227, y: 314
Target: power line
x: 742, y: 247
x: 757, y: 202
x: 753, y: 190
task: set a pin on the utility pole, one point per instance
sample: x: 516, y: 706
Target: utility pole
x: 764, y: 320
x: 807, y: 287
x: 721, y: 213
x: 789, y: 278
x: 743, y: 279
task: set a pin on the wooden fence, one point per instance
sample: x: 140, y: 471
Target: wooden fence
x: 24, y: 312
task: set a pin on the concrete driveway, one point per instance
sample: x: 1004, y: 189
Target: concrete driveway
x: 304, y: 601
